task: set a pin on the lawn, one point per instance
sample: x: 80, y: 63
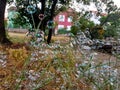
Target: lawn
x: 17, y: 37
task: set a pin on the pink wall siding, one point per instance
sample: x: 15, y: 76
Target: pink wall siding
x: 65, y: 22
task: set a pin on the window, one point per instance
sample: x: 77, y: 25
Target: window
x: 60, y: 26
x: 68, y: 28
x: 70, y: 19
x: 62, y: 18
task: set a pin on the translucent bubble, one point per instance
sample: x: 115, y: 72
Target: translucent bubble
x: 50, y: 24
x: 31, y: 9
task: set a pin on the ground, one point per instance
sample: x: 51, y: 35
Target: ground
x: 52, y: 67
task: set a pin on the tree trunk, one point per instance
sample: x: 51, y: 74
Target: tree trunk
x: 51, y: 18
x: 49, y: 36
x: 3, y: 38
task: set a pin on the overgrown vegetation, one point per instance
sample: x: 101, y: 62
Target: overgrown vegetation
x: 56, y: 67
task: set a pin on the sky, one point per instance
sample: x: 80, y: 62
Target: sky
x: 117, y: 2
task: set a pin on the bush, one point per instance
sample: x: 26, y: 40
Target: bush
x: 62, y: 31
x: 74, y: 30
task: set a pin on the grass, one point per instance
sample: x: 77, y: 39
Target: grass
x: 54, y: 67
x: 17, y: 37
x: 22, y: 38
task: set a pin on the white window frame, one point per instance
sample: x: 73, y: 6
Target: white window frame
x: 70, y: 19
x: 61, y: 18
x: 68, y: 28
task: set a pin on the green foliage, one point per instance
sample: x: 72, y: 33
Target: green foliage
x: 20, y: 21
x: 111, y: 24
x: 62, y: 31
x: 74, y: 30
x: 111, y: 31
x: 85, y: 23
x: 81, y: 25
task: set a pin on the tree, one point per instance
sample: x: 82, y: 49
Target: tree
x: 112, y: 24
x: 82, y: 24
x: 48, y: 9
x: 3, y: 37
x: 42, y: 16
x: 111, y: 8
x: 97, y: 31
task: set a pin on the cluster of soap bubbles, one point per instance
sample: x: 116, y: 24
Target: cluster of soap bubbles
x: 36, y: 33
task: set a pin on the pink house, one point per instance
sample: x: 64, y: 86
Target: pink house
x: 64, y: 20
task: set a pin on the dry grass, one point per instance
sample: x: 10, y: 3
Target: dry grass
x: 11, y: 34
x: 21, y: 38
x: 62, y: 38
x: 55, y: 66
x: 17, y: 37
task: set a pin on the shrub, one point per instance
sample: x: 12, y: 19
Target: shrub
x: 74, y: 30
x: 62, y: 31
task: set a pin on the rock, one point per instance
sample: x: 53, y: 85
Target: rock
x: 86, y: 47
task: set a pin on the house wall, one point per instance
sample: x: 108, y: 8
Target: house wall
x: 63, y: 20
